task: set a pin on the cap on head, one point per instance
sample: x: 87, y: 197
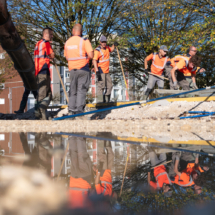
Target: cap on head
x: 163, y: 47
x: 103, y: 39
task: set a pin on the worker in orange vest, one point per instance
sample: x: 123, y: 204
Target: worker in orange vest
x: 162, y: 180
x: 188, y: 76
x: 81, y: 173
x: 101, y: 62
x: 103, y: 181
x: 190, y: 170
x: 182, y: 65
x: 159, y: 61
x: 42, y: 55
x: 78, y: 51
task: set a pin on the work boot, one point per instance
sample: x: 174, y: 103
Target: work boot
x: 82, y: 117
x: 43, y: 114
x: 21, y: 108
x: 71, y: 113
x: 104, y: 100
x: 19, y: 111
x: 108, y: 98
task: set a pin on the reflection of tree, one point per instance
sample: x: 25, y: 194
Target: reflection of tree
x: 141, y: 199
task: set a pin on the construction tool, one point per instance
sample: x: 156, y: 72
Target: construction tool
x: 67, y: 99
x: 131, y: 104
x: 122, y: 70
x: 67, y: 148
x: 159, y: 76
x: 203, y: 114
x: 161, y: 164
x: 124, y: 173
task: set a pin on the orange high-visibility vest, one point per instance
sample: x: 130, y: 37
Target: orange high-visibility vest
x: 78, y: 192
x: 186, y: 59
x: 41, y: 55
x: 156, y: 61
x: 76, y: 53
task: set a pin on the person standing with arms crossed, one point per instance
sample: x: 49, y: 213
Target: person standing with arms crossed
x: 159, y: 61
x: 78, y: 51
x: 42, y: 55
x: 101, y: 62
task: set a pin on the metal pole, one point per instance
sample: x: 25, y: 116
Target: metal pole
x: 131, y: 104
x: 67, y: 99
x: 122, y: 70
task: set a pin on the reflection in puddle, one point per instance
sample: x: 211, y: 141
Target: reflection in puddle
x: 105, y: 172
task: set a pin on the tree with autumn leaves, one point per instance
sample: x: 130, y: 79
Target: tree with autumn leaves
x: 139, y: 26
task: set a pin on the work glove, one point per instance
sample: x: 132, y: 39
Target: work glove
x: 116, y: 43
x: 175, y: 86
x: 98, y: 75
x: 147, y: 71
x: 195, y: 86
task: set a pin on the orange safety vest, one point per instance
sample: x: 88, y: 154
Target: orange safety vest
x: 188, y: 171
x: 164, y: 176
x: 41, y: 56
x: 76, y: 52
x: 186, y: 59
x: 104, y: 59
x: 78, y: 192
x: 156, y: 61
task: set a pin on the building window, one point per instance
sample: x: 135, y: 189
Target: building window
x: 2, y: 86
x: 2, y: 71
x: 67, y: 88
x: 67, y: 74
x: 2, y: 56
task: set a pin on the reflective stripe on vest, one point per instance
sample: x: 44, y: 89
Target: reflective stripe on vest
x: 79, y: 189
x: 185, y: 185
x: 101, y: 61
x: 105, y: 182
x: 40, y: 51
x: 80, y: 51
x: 105, y: 188
x: 159, y: 67
x: 163, y: 173
x: 186, y: 61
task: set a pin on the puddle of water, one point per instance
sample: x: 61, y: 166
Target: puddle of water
x: 105, y: 173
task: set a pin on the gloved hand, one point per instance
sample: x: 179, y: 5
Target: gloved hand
x: 147, y: 71
x: 116, y: 43
x: 195, y: 86
x: 175, y: 86
x: 98, y: 75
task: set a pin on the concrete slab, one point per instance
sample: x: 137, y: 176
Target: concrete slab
x: 161, y: 103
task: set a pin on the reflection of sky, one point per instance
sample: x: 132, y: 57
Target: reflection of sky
x: 47, y: 150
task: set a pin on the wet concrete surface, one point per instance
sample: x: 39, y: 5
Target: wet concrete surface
x: 105, y: 173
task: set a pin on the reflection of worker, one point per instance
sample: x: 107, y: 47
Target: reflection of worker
x: 188, y: 76
x: 78, y: 51
x: 180, y: 66
x: 159, y: 61
x: 25, y: 99
x: 188, y: 171
x: 103, y: 181
x: 42, y: 55
x: 101, y: 61
x: 162, y: 180
x: 81, y: 173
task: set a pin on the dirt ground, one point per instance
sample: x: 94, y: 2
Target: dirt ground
x: 172, y: 129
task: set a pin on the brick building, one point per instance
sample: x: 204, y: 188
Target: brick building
x: 12, y: 87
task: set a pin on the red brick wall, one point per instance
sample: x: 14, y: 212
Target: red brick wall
x: 11, y: 82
